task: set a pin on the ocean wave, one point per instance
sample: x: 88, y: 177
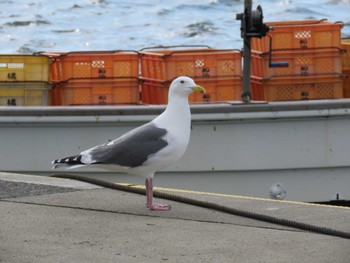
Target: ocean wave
x: 27, y: 23
x: 164, y: 11
x: 303, y: 10
x: 207, y: 6
x: 200, y: 28
x: 64, y: 31
x: 337, y: 2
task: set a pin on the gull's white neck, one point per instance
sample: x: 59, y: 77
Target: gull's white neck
x: 177, y: 113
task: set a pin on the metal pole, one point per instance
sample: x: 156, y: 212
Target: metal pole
x: 246, y: 93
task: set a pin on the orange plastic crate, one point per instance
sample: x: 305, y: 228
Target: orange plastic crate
x: 24, y: 68
x: 300, y: 88
x: 301, y: 62
x: 94, y: 64
x: 168, y: 64
x: 97, y: 92
x: 300, y: 34
x: 218, y: 89
x: 345, y: 44
x: 346, y: 88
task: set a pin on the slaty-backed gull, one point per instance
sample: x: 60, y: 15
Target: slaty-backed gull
x: 148, y: 148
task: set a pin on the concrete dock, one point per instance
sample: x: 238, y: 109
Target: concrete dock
x: 46, y: 219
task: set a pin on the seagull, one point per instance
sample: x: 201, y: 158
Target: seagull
x: 149, y: 148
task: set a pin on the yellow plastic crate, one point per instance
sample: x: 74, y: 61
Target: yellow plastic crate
x: 25, y: 93
x: 24, y: 68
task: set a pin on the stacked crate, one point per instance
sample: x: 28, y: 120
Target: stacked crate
x: 95, y: 78
x: 24, y: 80
x: 218, y: 71
x: 313, y: 51
x: 345, y: 44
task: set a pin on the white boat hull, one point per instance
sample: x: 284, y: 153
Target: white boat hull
x: 234, y: 149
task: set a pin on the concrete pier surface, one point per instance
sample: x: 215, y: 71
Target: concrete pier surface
x: 46, y: 219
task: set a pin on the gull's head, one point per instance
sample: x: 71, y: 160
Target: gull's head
x: 184, y: 86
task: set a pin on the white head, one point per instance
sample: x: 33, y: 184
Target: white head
x: 183, y: 87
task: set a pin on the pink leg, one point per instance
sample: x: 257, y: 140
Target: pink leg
x: 149, y: 196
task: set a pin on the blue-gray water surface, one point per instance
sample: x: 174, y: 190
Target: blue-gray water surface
x: 47, y: 25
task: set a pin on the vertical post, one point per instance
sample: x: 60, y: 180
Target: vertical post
x: 246, y: 93
x: 251, y: 26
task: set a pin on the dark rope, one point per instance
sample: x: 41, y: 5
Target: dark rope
x: 213, y: 206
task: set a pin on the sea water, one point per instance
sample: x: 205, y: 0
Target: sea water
x: 28, y: 26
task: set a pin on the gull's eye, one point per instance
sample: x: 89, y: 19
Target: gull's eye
x: 182, y: 81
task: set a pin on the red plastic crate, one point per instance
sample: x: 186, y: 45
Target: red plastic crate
x: 94, y: 64
x: 300, y: 34
x: 168, y: 64
x: 300, y: 88
x: 301, y: 62
x: 96, y: 92
x: 218, y: 89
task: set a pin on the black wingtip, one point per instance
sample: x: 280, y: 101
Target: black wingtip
x: 72, y: 160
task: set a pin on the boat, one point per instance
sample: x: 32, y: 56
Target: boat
x: 292, y: 149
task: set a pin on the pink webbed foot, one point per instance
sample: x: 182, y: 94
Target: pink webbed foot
x: 159, y: 207
x: 149, y: 194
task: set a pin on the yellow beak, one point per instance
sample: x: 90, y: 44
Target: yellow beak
x: 198, y: 88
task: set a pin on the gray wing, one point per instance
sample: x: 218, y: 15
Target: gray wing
x: 132, y: 149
